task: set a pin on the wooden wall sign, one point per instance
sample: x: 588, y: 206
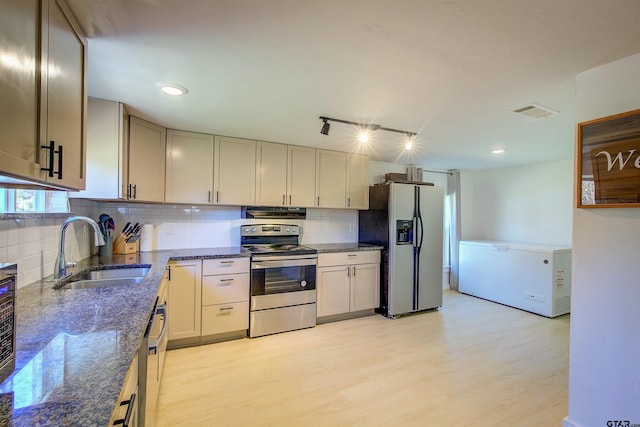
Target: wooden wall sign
x: 608, y: 162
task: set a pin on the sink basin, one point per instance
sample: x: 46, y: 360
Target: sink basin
x: 101, y: 283
x: 100, y: 278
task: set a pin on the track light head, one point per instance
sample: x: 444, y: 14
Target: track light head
x: 325, y: 127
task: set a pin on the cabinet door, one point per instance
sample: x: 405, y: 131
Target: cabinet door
x: 106, y: 150
x: 184, y: 301
x: 301, y: 176
x: 271, y: 174
x: 331, y: 179
x: 365, y: 286
x: 18, y: 89
x: 63, y: 102
x: 147, y: 143
x: 357, y: 181
x: 333, y: 293
x: 189, y: 177
x: 235, y: 171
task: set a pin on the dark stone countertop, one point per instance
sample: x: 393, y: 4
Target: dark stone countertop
x: 74, y: 346
x: 344, y: 247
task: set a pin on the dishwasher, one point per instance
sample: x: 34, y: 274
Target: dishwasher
x: 151, y: 364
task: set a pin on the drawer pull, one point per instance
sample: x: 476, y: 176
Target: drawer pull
x: 227, y: 262
x: 226, y: 308
x: 225, y: 282
x: 350, y: 255
x: 127, y: 418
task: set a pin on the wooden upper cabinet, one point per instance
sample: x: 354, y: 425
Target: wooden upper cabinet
x: 107, y: 128
x: 357, y: 181
x: 189, y: 177
x: 19, y: 147
x: 63, y: 98
x: 301, y: 176
x: 234, y: 171
x: 147, y: 142
x: 331, y: 179
x: 271, y: 174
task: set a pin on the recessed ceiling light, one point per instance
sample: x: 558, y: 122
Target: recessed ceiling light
x: 173, y: 89
x: 498, y: 151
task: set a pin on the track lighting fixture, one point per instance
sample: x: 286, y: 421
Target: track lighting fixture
x: 365, y: 129
x: 325, y: 127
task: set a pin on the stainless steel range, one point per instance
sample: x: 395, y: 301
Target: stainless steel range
x: 283, y: 279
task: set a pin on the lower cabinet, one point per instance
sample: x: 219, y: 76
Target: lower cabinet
x: 126, y: 410
x: 207, y: 300
x: 184, y: 301
x: 347, y: 283
x: 225, y: 296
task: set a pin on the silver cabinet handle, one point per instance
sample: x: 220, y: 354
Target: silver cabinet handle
x: 227, y: 262
x: 318, y: 200
x: 349, y: 202
x: 348, y: 271
x: 209, y: 197
x: 354, y: 271
x: 284, y: 199
x: 225, y: 282
x: 289, y: 199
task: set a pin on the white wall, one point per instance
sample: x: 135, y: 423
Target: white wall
x: 604, y: 374
x: 525, y: 204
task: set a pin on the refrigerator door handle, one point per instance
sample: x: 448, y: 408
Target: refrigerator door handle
x: 414, y: 240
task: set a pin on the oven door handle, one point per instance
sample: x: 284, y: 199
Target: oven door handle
x: 263, y: 265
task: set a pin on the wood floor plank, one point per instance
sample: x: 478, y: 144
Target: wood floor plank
x: 472, y: 362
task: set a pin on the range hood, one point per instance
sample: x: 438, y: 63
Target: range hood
x: 270, y: 212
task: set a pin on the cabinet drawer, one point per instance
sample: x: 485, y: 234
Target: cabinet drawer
x: 225, y: 288
x: 220, y: 318
x: 345, y: 258
x: 225, y: 266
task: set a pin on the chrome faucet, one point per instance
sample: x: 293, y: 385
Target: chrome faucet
x: 60, y: 271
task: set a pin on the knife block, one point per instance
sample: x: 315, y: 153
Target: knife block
x: 120, y: 246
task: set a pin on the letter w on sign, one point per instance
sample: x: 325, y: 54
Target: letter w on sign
x: 616, y: 172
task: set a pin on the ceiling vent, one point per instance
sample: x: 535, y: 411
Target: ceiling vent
x: 535, y: 111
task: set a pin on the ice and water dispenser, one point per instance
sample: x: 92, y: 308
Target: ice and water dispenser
x: 404, y: 232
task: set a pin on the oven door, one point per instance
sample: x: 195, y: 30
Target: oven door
x: 278, y: 281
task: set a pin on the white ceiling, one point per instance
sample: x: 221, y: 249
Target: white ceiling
x: 451, y: 70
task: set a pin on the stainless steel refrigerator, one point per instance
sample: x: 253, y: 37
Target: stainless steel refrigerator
x: 407, y: 219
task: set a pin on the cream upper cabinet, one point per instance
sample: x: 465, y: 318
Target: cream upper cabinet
x: 189, y: 176
x: 301, y: 177
x: 234, y: 171
x: 63, y: 98
x: 147, y: 142
x: 107, y: 145
x: 19, y: 147
x: 271, y: 174
x: 331, y: 179
x: 357, y: 181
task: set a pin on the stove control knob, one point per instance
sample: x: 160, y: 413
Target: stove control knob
x: 303, y: 283
x: 288, y: 230
x: 246, y: 230
x: 253, y: 230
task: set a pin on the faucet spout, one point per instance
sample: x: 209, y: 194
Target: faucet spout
x: 60, y: 269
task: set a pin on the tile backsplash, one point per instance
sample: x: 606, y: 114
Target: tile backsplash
x: 32, y: 243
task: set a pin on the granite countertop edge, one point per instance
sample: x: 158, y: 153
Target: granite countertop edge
x: 76, y: 345
x: 343, y: 247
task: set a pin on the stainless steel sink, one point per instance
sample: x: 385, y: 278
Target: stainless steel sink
x: 111, y: 276
x: 101, y: 283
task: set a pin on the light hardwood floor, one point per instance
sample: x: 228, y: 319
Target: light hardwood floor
x: 471, y: 363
